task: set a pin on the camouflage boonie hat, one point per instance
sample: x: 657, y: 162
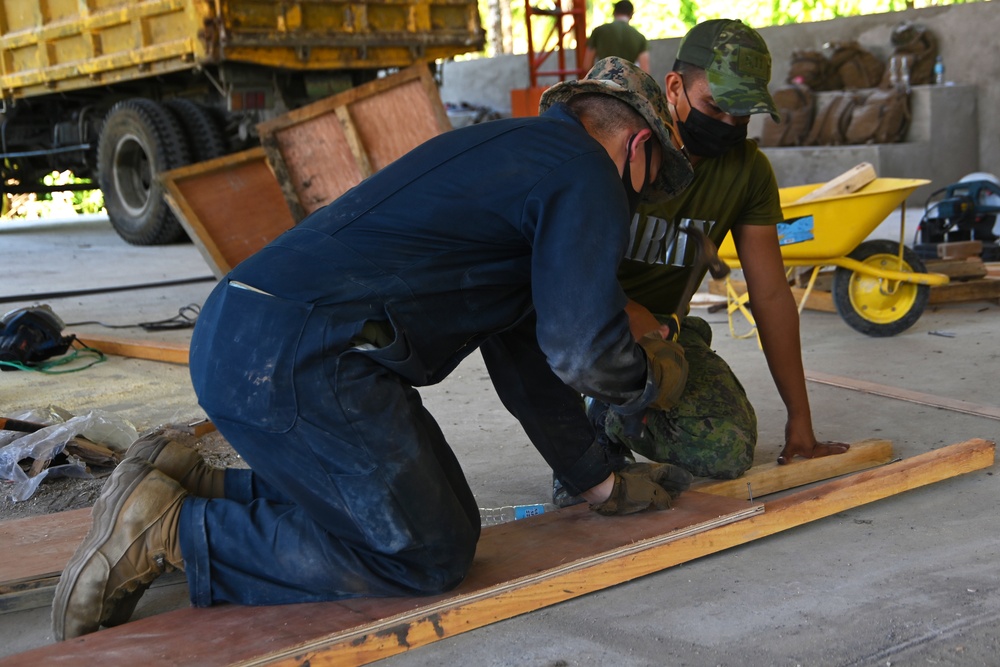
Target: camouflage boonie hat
x: 619, y: 78
x: 737, y: 63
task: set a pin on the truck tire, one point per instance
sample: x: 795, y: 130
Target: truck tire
x: 204, y: 134
x: 140, y: 140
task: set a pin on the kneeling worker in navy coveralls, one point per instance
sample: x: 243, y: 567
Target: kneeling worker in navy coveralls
x: 307, y: 354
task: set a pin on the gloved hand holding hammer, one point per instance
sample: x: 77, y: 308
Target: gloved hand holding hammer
x: 659, y: 340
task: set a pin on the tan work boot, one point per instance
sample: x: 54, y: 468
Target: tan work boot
x: 180, y: 462
x: 133, y: 539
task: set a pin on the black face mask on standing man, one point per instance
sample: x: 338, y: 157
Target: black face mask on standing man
x: 630, y: 193
x: 708, y: 137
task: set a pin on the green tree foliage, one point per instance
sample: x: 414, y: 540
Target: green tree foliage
x: 660, y: 19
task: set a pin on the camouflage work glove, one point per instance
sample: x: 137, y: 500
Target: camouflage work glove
x: 669, y: 368
x: 642, y: 486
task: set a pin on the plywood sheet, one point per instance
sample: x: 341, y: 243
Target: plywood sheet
x: 231, y: 207
x: 509, y: 557
x: 321, y: 150
x: 39, y: 546
x: 519, y: 567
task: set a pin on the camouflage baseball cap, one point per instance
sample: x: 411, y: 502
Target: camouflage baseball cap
x: 619, y: 78
x: 737, y: 63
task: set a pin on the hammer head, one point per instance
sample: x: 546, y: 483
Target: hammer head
x: 708, y: 253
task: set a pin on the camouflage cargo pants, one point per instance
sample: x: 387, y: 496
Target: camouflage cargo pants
x: 713, y: 432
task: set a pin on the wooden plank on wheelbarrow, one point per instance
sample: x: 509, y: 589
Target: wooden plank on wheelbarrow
x: 850, y: 181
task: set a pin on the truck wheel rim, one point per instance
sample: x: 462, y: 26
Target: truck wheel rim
x: 133, y: 175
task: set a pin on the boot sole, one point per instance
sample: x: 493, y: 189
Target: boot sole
x: 129, y: 474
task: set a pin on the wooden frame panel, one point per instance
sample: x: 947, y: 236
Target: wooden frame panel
x: 321, y: 150
x: 231, y: 207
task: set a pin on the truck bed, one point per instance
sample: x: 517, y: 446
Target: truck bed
x: 49, y: 46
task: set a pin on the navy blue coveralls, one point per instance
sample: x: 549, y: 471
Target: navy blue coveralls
x: 506, y: 236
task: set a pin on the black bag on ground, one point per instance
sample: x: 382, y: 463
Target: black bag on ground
x: 797, y: 107
x: 854, y: 66
x: 880, y: 116
x: 833, y: 116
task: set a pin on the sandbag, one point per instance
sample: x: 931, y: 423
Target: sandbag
x: 796, y: 105
x: 832, y: 119
x: 880, y: 116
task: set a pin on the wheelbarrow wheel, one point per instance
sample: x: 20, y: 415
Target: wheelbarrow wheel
x: 876, y: 306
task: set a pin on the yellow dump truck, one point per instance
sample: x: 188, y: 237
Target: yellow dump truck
x: 121, y: 90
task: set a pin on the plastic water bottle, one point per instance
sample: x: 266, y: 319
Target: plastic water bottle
x: 493, y: 516
x: 939, y: 71
x: 894, y: 71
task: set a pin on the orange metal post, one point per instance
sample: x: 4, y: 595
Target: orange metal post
x: 568, y: 23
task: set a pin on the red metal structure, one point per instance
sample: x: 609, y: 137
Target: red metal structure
x: 567, y: 27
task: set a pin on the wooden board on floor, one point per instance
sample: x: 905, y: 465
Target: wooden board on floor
x: 767, y: 478
x: 231, y: 207
x: 320, y: 151
x: 174, y: 353
x: 958, y: 269
x: 56, y: 535
x: 956, y: 405
x: 520, y: 567
x: 986, y: 289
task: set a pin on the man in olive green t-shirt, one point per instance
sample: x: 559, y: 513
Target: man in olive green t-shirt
x: 617, y: 38
x: 719, y: 80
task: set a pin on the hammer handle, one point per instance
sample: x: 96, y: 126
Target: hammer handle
x: 18, y: 425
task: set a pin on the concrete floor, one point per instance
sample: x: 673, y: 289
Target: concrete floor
x: 911, y: 580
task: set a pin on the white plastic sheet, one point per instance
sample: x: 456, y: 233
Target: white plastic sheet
x: 101, y: 427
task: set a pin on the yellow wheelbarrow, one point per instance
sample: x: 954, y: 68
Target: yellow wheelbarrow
x: 880, y: 287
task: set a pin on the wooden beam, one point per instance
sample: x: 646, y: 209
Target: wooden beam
x: 37, y: 548
x: 965, y: 407
x: 531, y: 563
x: 850, y: 181
x: 368, y: 644
x: 958, y: 269
x: 986, y: 289
x: 174, y: 353
x: 768, y: 478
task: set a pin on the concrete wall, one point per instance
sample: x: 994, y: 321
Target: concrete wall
x: 969, y: 42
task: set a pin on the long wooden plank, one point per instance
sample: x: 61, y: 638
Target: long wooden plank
x: 37, y: 548
x: 797, y: 509
x: 174, y: 353
x: 767, y: 478
x: 361, y: 631
x: 985, y: 289
x: 850, y: 181
x: 965, y: 407
x: 522, y: 550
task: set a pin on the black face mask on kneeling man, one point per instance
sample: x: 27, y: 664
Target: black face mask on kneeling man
x: 630, y: 193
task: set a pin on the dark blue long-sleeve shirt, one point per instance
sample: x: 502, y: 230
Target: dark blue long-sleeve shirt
x: 461, y: 238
